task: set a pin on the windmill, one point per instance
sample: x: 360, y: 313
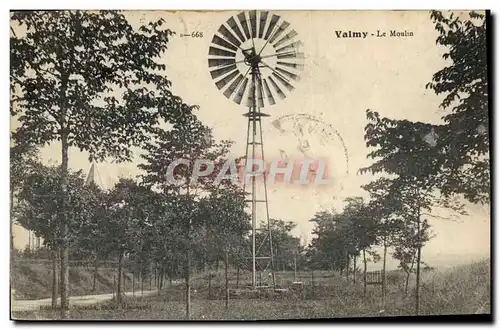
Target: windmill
x: 255, y: 56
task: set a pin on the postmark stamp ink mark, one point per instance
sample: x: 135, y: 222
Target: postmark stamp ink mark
x: 309, y: 131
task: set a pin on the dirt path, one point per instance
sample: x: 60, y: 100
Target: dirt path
x: 33, y: 305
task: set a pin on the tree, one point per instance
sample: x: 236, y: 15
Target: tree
x: 130, y: 216
x: 39, y: 208
x: 457, y: 150
x: 191, y: 141
x: 67, y: 70
x: 92, y: 242
x: 362, y: 229
x: 327, y: 248
x: 224, y: 223
x: 464, y: 84
x: 341, y: 237
x: 330, y: 246
x: 408, y: 160
x: 23, y: 161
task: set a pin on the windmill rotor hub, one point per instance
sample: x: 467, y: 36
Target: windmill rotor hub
x: 253, y: 59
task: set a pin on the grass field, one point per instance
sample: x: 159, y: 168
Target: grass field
x: 461, y: 290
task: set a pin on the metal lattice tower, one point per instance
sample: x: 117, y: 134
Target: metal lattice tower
x: 237, y: 50
x: 254, y: 139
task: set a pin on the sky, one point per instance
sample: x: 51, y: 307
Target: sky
x: 342, y: 78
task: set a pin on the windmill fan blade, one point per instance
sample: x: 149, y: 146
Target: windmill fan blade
x: 292, y: 55
x: 283, y: 81
x: 280, y: 30
x: 260, y: 97
x: 224, y: 81
x: 291, y: 47
x: 220, y: 52
x: 251, y: 94
x: 262, y: 25
x: 289, y: 36
x: 288, y: 74
x: 268, y: 93
x: 276, y: 88
x: 230, y: 90
x: 228, y: 35
x: 291, y: 65
x: 253, y: 23
x: 221, y: 42
x: 234, y: 26
x: 243, y: 20
x: 273, y: 22
x: 241, y: 91
x: 220, y: 62
x: 219, y: 72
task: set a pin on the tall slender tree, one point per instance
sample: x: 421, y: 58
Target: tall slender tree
x: 89, y: 80
x: 188, y: 141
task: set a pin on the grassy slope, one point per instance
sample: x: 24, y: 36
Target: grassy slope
x: 462, y: 290
x: 34, y: 281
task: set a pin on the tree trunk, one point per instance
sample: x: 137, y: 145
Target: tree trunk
x: 12, y: 251
x: 384, y: 271
x: 238, y: 277
x: 347, y: 268
x: 354, y: 270
x: 295, y: 267
x: 407, y: 282
x: 364, y: 273
x: 419, y: 255
x: 119, y: 284
x: 408, y: 273
x: 226, y: 264
x: 312, y: 284
x: 157, y: 283
x: 64, y: 282
x: 188, y: 287
x: 64, y: 278
x: 142, y: 284
x: 114, y: 286
x: 209, y: 285
x: 96, y: 268
x: 11, y: 224
x: 54, y: 280
x: 155, y: 277
x: 187, y: 275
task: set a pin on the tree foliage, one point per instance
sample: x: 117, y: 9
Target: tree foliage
x: 39, y: 206
x: 452, y: 156
x: 92, y: 77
